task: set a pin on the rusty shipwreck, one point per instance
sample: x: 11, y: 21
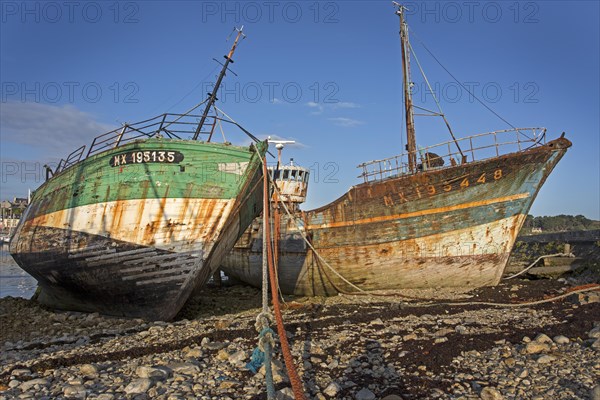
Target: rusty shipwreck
x: 440, y: 216
x: 133, y: 224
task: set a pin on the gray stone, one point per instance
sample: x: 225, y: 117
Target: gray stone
x: 443, y: 332
x: 460, y: 329
x: 332, y: 389
x: 21, y: 372
x: 396, y: 397
x: 524, y: 373
x: 542, y: 338
x: 105, y: 396
x: 536, y: 347
x: 586, y: 298
x: 228, y: 384
x: 158, y: 373
x: 546, y: 359
x: 75, y: 392
x: 194, y: 353
x: 25, y: 386
x: 184, y: 368
x: 490, y: 393
x: 237, y: 357
x: 595, y: 393
x: 594, y: 333
x: 364, y: 394
x: 560, y: 339
x: 138, y: 386
x: 214, y: 346
x: 88, y: 370
x: 284, y: 394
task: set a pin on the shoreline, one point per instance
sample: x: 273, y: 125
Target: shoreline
x: 353, y: 347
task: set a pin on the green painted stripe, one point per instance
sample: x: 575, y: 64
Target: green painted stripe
x: 94, y: 180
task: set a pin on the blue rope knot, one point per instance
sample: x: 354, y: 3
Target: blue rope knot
x: 258, y: 355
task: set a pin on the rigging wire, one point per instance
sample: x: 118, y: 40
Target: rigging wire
x: 441, y: 113
x: 184, y: 96
x: 193, y: 89
x: 465, y: 88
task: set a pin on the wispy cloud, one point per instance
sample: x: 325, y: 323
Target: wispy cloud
x: 344, y: 104
x: 320, y: 108
x: 346, y: 122
x: 317, y: 108
x: 52, y: 130
x: 276, y: 101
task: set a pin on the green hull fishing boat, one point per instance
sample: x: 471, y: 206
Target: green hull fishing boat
x: 132, y: 226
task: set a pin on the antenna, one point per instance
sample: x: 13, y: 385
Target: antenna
x: 279, y: 145
x: 213, y: 96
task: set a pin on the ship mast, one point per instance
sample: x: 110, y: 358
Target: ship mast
x: 213, y: 96
x: 411, y: 142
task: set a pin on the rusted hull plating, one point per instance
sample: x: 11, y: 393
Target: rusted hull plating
x: 452, y: 227
x: 157, y: 238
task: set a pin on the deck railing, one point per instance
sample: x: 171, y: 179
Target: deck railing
x: 173, y: 126
x: 474, y: 148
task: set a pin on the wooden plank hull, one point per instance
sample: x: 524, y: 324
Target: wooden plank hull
x: 442, y: 228
x: 136, y: 239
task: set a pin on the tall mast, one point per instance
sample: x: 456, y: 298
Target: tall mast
x: 213, y: 95
x: 411, y: 142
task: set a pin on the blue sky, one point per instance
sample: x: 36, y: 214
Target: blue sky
x: 326, y: 74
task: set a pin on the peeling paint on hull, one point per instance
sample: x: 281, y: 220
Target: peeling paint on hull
x: 136, y: 240
x: 450, y: 227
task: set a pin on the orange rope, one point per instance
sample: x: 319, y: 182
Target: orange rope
x: 276, y: 223
x: 589, y: 285
x: 285, y: 347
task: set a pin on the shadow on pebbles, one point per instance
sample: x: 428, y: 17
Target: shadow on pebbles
x: 345, y: 347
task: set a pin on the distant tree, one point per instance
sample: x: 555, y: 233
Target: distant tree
x: 559, y: 223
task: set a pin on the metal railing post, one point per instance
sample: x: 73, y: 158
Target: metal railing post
x: 496, y: 144
x: 91, y: 147
x: 118, y: 142
x: 161, y: 123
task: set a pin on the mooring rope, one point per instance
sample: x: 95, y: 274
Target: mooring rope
x: 536, y: 261
x: 362, y: 292
x: 523, y: 304
x: 263, y: 318
x: 301, y: 230
x: 285, y: 347
x: 266, y: 343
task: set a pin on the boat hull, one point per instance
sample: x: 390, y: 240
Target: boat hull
x: 448, y: 227
x: 136, y: 238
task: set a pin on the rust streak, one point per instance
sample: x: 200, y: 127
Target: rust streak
x: 422, y: 212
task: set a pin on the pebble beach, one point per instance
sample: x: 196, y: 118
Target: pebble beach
x: 345, y: 347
